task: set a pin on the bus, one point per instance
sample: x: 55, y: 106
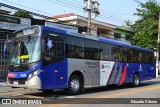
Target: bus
x: 48, y: 58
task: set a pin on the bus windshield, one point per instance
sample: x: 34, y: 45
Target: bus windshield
x: 25, y: 50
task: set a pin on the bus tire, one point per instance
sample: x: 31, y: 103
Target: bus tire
x: 75, y: 85
x: 136, y: 80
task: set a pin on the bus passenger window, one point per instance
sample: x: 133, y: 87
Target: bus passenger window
x: 75, y: 48
x: 116, y: 53
x: 54, y: 47
x: 144, y: 57
x: 91, y: 50
x: 126, y: 54
x: 105, y: 51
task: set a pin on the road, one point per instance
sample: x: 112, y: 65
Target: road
x: 148, y: 89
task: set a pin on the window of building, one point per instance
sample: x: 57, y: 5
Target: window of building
x: 128, y: 37
x: 117, y: 36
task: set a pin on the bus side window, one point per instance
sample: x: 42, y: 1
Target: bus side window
x: 105, y: 51
x: 54, y: 46
x: 126, y: 54
x: 75, y: 48
x: 136, y: 54
x: 116, y: 53
x: 144, y: 57
x: 91, y: 50
x: 150, y: 58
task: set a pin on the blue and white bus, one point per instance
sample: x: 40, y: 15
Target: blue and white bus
x: 47, y: 58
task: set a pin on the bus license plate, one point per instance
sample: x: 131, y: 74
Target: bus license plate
x: 15, y: 82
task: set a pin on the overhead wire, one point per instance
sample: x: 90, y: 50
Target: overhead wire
x: 75, y: 6
x: 102, y: 15
x: 27, y: 7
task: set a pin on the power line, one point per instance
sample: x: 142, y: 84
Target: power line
x: 114, y: 13
x: 36, y: 14
x: 73, y: 7
x: 71, y: 3
x: 65, y: 4
x: 26, y: 7
x: 103, y: 15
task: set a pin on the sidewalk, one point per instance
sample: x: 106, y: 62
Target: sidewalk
x: 3, y: 83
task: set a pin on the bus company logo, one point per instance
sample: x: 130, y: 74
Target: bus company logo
x: 102, y: 66
x: 105, y: 66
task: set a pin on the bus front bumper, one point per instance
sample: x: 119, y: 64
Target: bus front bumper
x: 34, y: 82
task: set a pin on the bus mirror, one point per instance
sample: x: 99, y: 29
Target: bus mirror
x: 43, y: 46
x: 6, y: 50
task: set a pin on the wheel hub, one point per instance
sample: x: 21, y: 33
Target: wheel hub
x: 136, y: 80
x: 75, y: 85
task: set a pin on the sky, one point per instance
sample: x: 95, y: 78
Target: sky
x: 111, y: 11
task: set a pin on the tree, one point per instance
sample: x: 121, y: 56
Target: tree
x: 127, y: 24
x: 146, y: 27
x: 23, y: 14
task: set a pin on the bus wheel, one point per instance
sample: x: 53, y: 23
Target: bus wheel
x: 136, y: 80
x: 75, y: 85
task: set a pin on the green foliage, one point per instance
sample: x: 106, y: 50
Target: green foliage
x: 127, y: 24
x: 23, y: 14
x: 146, y: 27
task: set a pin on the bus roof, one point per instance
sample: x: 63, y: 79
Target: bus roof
x: 101, y: 39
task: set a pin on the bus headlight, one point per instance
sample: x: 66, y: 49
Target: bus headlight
x: 33, y: 74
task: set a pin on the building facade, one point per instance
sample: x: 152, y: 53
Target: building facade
x: 123, y: 34
x: 9, y: 24
x: 98, y: 28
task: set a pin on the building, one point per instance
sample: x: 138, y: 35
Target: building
x: 98, y: 28
x: 8, y: 24
x: 123, y: 34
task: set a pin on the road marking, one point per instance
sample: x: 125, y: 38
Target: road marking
x: 107, y: 96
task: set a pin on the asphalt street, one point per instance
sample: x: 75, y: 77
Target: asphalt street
x: 93, y: 97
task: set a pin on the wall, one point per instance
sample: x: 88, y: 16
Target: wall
x: 123, y: 33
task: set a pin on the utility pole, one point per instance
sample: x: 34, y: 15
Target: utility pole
x: 158, y: 42
x: 89, y: 16
x: 91, y: 7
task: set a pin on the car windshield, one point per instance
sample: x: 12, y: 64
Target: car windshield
x: 25, y: 50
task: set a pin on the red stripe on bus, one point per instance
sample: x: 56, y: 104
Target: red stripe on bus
x: 123, y: 75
